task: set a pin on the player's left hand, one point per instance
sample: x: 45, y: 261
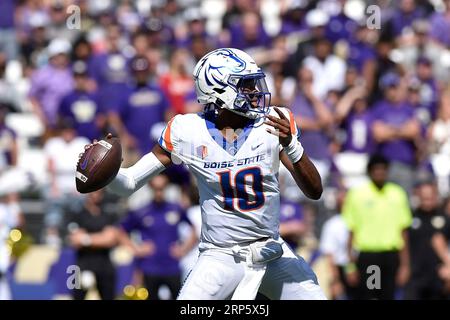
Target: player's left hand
x: 282, y: 126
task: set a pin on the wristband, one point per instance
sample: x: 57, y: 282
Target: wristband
x: 294, y: 150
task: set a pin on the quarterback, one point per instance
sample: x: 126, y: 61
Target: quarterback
x: 234, y: 149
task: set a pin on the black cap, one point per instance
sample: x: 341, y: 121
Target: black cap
x: 377, y: 159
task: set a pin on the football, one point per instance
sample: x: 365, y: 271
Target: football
x: 99, y: 165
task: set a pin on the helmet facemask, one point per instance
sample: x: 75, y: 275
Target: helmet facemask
x: 253, y: 97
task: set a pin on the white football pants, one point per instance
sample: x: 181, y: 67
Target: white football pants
x: 216, y: 275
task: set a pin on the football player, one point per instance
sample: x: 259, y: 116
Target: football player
x: 234, y: 149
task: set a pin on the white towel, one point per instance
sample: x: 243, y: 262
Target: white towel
x: 258, y: 256
x: 249, y: 285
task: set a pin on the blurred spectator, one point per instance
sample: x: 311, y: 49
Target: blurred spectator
x: 25, y: 15
x: 248, y: 34
x: 93, y: 235
x: 429, y: 89
x: 356, y: 120
x: 8, y: 143
x: 361, y: 55
x: 334, y: 245
x: 50, y: 83
x: 58, y: 26
x: 440, y: 24
x: 446, y: 207
x: 403, y: 17
x: 236, y: 9
x: 81, y: 105
x: 158, y: 250
x: 316, y: 21
x: 416, y: 45
x: 384, y: 65
x: 439, y: 131
x: 441, y: 245
x: 292, y: 226
x: 8, y: 41
x: 142, y: 99
x: 127, y: 16
x: 378, y: 216
x: 160, y: 27
x: 82, y: 51
x: 293, y: 20
x: 323, y: 63
x: 315, y: 119
x: 281, y: 87
x: 396, y: 131
x: 421, y: 111
x: 199, y: 47
x: 178, y: 82
x: 10, y: 97
x: 341, y: 26
x: 439, y: 143
x: 62, y: 197
x: 110, y: 68
x: 195, y: 28
x: 140, y: 42
x: 428, y: 219
x: 10, y: 218
x: 13, y: 179
x: 34, y: 49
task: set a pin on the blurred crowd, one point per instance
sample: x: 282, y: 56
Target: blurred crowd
x: 359, y: 83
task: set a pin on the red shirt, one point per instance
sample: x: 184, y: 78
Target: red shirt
x: 176, y: 88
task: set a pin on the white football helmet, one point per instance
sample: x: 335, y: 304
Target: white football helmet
x: 229, y: 78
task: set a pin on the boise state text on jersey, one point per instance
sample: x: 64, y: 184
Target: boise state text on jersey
x: 234, y: 163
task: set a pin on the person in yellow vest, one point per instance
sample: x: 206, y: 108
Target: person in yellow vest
x: 377, y: 215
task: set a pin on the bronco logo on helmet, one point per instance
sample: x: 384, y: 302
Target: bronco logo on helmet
x: 230, y: 78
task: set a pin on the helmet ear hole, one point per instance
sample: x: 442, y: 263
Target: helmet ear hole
x: 219, y: 91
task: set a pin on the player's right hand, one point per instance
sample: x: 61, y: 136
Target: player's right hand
x: 282, y: 126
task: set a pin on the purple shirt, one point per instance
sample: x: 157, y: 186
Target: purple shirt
x: 188, y: 40
x: 239, y: 41
x: 439, y: 28
x: 109, y: 68
x: 315, y: 142
x: 340, y: 27
x: 395, y: 115
x: 7, y: 14
x: 290, y: 26
x: 358, y: 133
x: 83, y: 109
x: 430, y: 96
x: 290, y: 211
x: 140, y: 109
x: 49, y: 85
x: 158, y: 223
x: 401, y: 20
x: 359, y: 54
